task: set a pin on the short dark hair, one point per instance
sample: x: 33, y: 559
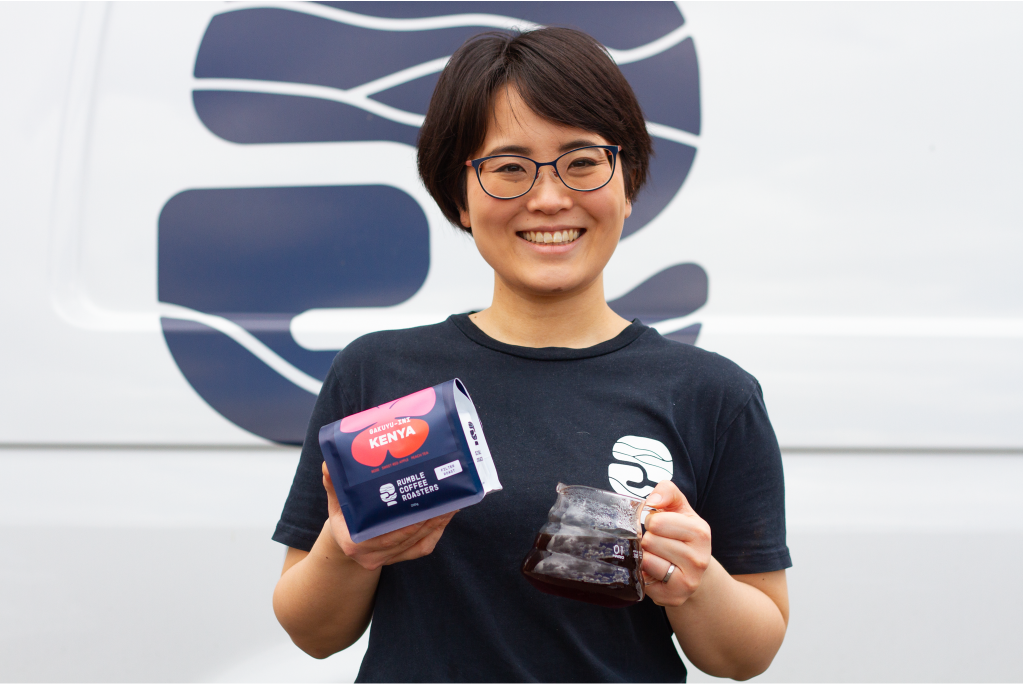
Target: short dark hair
x: 562, y: 74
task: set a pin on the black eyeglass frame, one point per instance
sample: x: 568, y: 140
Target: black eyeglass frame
x: 614, y: 149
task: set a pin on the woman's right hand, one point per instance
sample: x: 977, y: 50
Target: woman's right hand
x: 404, y: 544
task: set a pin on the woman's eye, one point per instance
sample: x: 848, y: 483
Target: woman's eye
x: 508, y: 168
x: 582, y: 163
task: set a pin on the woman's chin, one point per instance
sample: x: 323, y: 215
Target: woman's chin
x: 550, y: 285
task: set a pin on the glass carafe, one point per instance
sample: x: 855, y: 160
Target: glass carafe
x: 589, y: 549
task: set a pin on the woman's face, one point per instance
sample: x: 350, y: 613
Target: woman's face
x: 510, y: 233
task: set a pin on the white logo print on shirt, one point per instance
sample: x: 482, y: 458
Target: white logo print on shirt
x: 642, y: 459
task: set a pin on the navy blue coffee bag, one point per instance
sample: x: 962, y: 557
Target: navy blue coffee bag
x: 409, y: 460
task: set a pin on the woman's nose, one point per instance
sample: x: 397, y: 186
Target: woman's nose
x: 549, y: 194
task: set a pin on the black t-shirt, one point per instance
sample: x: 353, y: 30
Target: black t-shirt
x: 606, y: 416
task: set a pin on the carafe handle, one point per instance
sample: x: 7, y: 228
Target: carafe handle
x: 645, y: 512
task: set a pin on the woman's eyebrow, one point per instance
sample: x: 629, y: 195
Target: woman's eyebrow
x: 573, y: 144
x: 525, y: 151
x: 509, y: 149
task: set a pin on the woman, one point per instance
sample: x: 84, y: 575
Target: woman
x: 558, y: 378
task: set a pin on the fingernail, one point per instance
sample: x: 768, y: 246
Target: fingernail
x: 654, y: 499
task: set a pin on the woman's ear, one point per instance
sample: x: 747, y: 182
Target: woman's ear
x: 629, y: 209
x: 464, y: 219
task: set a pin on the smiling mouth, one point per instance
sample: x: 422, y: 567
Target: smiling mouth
x: 557, y: 237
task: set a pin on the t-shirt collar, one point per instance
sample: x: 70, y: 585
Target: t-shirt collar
x: 470, y: 330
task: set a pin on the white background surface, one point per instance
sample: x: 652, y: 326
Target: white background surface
x: 906, y: 568
x: 856, y: 202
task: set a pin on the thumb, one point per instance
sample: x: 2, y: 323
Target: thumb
x: 667, y: 497
x: 333, y: 507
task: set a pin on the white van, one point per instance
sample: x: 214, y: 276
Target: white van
x: 204, y: 202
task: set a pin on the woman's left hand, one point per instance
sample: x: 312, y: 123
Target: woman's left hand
x: 675, y: 535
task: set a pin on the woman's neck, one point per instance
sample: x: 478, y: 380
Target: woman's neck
x: 575, y: 320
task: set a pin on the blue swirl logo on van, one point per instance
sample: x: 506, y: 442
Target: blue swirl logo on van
x: 237, y: 265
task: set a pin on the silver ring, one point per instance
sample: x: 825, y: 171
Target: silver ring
x: 668, y: 575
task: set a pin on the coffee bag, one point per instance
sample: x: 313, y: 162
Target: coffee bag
x: 408, y: 460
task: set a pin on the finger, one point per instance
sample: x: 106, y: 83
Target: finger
x: 423, y: 543
x: 441, y: 521
x: 382, y: 549
x: 655, y: 567
x: 666, y: 594
x: 410, y: 534
x: 423, y: 547
x: 403, y: 538
x: 387, y: 548
x: 667, y: 497
x: 680, y: 584
x: 676, y: 552
x: 400, y: 539
x: 685, y: 527
x: 433, y: 526
x: 372, y: 553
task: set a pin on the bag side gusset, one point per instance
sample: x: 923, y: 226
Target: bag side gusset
x: 473, y: 438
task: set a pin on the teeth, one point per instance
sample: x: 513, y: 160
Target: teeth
x: 557, y: 237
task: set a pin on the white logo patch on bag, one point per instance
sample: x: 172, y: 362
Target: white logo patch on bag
x: 388, y: 495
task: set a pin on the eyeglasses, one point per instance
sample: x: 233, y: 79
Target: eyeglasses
x: 507, y: 176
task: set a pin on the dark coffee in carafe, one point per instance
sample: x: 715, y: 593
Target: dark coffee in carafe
x: 589, y: 550
x: 608, y: 574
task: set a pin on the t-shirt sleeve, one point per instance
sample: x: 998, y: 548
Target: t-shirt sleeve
x: 305, y: 509
x: 744, y: 501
